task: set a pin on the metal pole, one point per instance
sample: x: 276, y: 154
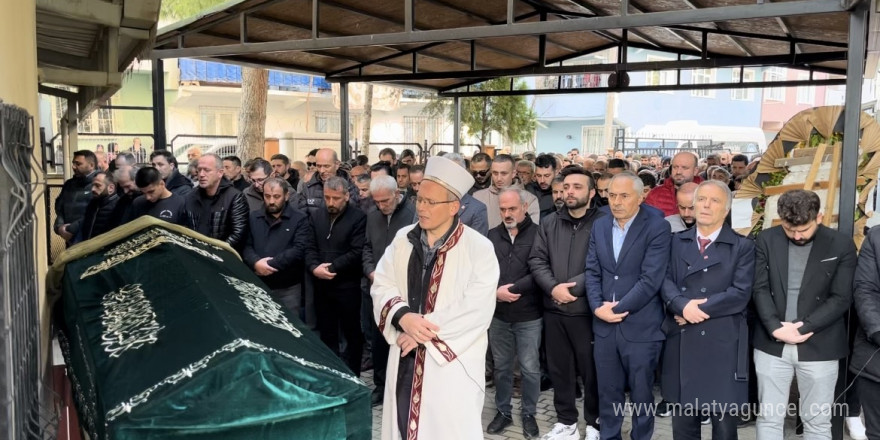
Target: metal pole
x: 852, y: 113
x: 344, y: 149
x: 456, y: 123
x: 159, y: 105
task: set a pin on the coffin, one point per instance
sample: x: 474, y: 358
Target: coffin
x: 168, y: 335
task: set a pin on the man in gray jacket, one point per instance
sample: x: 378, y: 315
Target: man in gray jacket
x: 557, y: 263
x: 393, y: 213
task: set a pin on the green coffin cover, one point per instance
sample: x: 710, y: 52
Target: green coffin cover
x: 168, y: 335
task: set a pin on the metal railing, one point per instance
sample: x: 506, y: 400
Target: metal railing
x: 19, y: 313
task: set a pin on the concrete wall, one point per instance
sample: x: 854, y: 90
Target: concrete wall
x: 18, y: 86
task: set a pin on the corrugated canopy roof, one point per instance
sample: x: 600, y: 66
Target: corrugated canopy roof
x: 447, y: 44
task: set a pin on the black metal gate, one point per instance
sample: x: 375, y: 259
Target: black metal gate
x: 19, y: 315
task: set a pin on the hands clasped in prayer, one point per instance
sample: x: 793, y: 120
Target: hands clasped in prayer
x: 417, y: 331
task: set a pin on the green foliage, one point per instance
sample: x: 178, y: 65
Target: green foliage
x: 508, y: 115
x: 182, y: 9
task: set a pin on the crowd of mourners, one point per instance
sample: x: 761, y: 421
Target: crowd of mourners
x: 618, y: 273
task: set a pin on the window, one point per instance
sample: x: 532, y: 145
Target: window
x: 219, y: 121
x: 805, y: 94
x: 593, y: 139
x: 327, y: 122
x: 743, y: 94
x: 660, y: 77
x: 774, y: 93
x: 703, y: 76
x: 98, y: 121
x: 418, y: 129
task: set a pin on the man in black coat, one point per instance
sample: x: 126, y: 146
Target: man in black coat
x: 707, y: 289
x: 545, y: 171
x: 98, y: 218
x: 71, y: 203
x: 557, y: 262
x: 218, y: 210
x: 802, y: 293
x: 165, y: 162
x: 515, y: 331
x: 311, y: 199
x: 393, y: 212
x: 334, y: 260
x: 864, y: 360
x: 277, y: 240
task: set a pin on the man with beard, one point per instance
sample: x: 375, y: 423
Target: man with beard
x: 515, y: 332
x: 795, y: 262
x: 685, y: 218
x: 558, y: 192
x: 545, y: 171
x: 602, y: 184
x: 259, y: 170
x: 157, y: 201
x: 393, y: 213
x: 232, y: 172
x: 683, y: 170
x: 98, y: 217
x: 218, y: 210
x: 281, y: 168
x: 275, y: 248
x: 71, y: 203
x: 415, y: 180
x: 311, y: 198
x: 502, y: 178
x: 165, y: 162
x: 434, y: 296
x: 557, y: 263
x: 334, y: 260
x: 479, y: 168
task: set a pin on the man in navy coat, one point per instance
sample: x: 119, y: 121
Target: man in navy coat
x: 706, y: 292
x: 626, y: 265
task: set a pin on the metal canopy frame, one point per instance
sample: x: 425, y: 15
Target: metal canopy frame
x: 450, y: 45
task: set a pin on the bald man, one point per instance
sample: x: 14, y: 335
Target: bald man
x: 682, y: 170
x: 684, y: 198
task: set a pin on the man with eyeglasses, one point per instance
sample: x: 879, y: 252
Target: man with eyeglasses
x: 479, y: 168
x: 433, y: 298
x: 259, y: 170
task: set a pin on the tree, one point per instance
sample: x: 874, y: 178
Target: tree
x: 252, y: 115
x: 254, y: 84
x: 368, y: 118
x: 508, y: 115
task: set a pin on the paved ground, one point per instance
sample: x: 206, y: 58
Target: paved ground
x: 546, y: 416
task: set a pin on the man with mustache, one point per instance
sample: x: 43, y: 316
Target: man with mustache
x: 802, y: 293
x: 683, y: 170
x: 685, y: 218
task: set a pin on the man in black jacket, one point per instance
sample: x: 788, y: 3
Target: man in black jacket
x: 545, y: 171
x: 311, y: 199
x: 515, y: 331
x: 864, y: 360
x: 158, y: 201
x: 127, y: 190
x: 232, y: 172
x: 71, y: 203
x: 165, y: 162
x: 218, y: 210
x: 334, y: 260
x: 276, y: 245
x: 393, y: 213
x: 802, y: 293
x: 98, y: 218
x: 557, y: 262
x: 281, y: 168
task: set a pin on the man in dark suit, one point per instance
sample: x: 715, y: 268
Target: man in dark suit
x: 706, y: 292
x: 802, y: 293
x: 626, y: 265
